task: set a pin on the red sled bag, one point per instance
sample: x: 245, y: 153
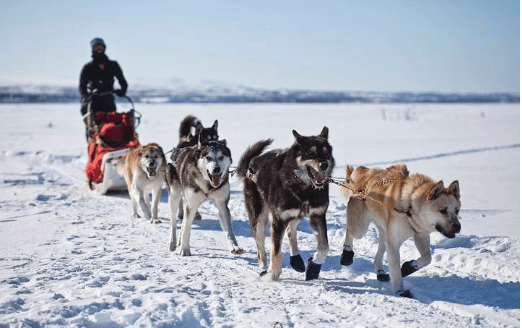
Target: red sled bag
x: 116, y: 132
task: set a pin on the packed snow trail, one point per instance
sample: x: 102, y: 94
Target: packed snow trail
x: 72, y: 258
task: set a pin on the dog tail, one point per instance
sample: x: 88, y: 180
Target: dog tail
x: 251, y: 152
x: 347, y: 187
x: 186, y: 126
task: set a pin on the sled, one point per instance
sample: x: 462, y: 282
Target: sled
x: 111, y: 136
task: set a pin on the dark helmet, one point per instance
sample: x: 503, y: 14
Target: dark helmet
x: 98, y: 41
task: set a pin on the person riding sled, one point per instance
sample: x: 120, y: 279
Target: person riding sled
x: 97, y: 80
x: 110, y: 135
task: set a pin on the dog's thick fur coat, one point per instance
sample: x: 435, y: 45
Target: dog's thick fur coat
x: 187, y: 139
x: 199, y: 173
x: 282, y: 187
x: 144, y: 172
x: 401, y: 206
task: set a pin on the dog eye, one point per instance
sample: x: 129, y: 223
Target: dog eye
x: 309, y: 153
x: 209, y: 158
x: 221, y: 157
x: 444, y: 211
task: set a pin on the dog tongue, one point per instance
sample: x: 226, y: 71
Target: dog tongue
x: 215, y: 179
x: 318, y: 176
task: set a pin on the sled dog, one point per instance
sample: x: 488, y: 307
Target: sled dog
x: 200, y: 173
x: 283, y: 186
x: 144, y: 172
x: 187, y: 139
x: 401, y: 206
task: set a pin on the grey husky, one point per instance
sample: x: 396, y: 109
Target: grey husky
x: 187, y: 139
x: 283, y: 186
x: 199, y: 173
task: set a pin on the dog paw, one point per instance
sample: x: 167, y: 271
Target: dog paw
x: 275, y: 274
x: 237, y: 251
x: 383, y: 276
x: 262, y: 273
x: 297, y: 263
x: 135, y: 216
x: 172, y: 245
x: 155, y: 221
x: 184, y: 252
x: 404, y: 293
x: 313, y: 270
x: 197, y: 217
x: 409, y: 268
x: 347, y: 257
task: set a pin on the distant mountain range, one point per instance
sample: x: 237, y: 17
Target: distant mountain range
x: 224, y: 93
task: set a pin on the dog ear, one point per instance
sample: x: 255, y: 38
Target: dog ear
x: 215, y: 126
x: 349, y: 171
x: 436, y: 191
x: 297, y: 136
x: 223, y: 142
x: 324, y: 133
x: 454, y: 189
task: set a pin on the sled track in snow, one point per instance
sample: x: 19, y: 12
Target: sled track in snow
x: 455, y: 153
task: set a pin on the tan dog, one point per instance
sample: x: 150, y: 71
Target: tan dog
x: 401, y: 206
x: 144, y: 172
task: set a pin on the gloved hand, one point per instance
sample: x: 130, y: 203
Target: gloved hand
x: 119, y: 93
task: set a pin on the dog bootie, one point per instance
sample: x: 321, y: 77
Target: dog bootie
x: 297, y: 263
x: 347, y: 257
x: 383, y: 276
x: 408, y: 268
x: 313, y: 269
x: 404, y: 293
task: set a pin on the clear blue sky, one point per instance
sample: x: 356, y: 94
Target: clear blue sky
x: 445, y: 46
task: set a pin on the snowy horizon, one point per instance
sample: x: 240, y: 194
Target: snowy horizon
x: 30, y: 83
x: 176, y: 90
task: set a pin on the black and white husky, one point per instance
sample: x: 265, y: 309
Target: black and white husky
x: 199, y: 173
x: 283, y: 186
x: 187, y: 139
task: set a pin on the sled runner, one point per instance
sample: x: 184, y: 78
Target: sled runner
x: 110, y: 137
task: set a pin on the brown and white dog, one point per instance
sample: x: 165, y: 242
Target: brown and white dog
x: 144, y: 173
x: 401, y: 206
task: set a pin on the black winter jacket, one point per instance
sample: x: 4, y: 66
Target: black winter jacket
x: 92, y: 77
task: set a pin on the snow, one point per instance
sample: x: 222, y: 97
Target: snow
x: 215, y: 91
x: 69, y: 257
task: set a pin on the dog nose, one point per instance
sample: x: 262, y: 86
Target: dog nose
x: 456, y: 227
x: 216, y: 169
x: 323, y: 166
